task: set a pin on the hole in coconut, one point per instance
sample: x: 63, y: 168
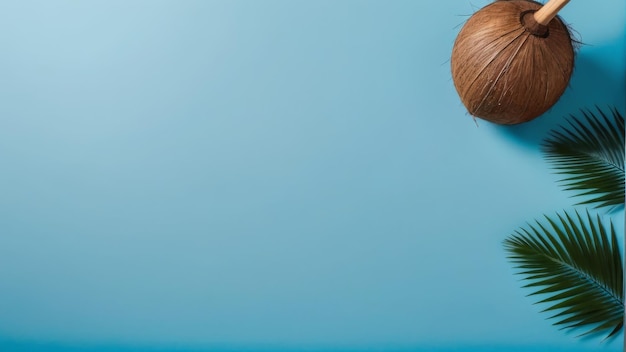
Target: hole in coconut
x: 531, y: 25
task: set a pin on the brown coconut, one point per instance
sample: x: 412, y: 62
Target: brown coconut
x: 511, y: 62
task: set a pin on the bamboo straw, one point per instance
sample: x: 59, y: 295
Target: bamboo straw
x: 545, y: 14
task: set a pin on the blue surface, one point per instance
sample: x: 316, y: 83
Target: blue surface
x: 269, y: 175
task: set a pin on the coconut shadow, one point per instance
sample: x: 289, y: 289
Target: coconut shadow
x: 591, y: 85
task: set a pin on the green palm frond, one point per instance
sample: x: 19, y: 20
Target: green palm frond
x: 574, y: 264
x: 589, y: 152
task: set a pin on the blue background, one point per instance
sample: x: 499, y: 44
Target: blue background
x: 261, y: 175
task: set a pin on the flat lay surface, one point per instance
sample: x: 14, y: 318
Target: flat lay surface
x: 271, y: 175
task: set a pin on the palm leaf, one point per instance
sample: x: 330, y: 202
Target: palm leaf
x: 589, y: 153
x: 574, y: 264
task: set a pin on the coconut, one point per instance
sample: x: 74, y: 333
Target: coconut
x: 512, y: 60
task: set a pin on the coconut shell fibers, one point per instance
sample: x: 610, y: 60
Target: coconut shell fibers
x: 506, y: 67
